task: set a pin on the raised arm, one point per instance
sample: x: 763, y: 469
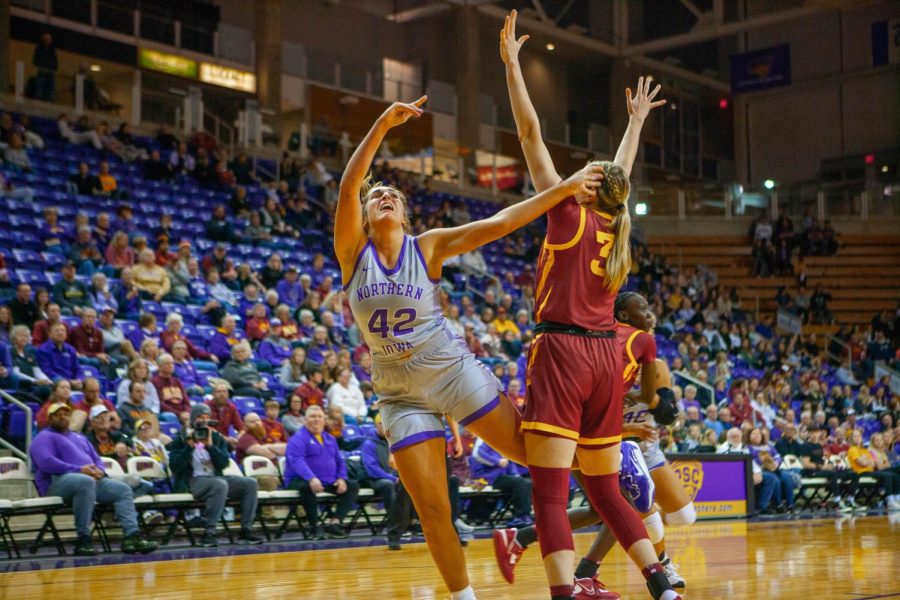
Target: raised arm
x: 442, y: 243
x: 349, y: 237
x: 639, y: 107
x: 540, y: 165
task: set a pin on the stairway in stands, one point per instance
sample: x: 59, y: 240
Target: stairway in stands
x: 863, y: 278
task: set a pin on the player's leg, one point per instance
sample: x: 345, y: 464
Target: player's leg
x: 549, y: 459
x: 499, y: 428
x: 599, y: 456
x: 422, y: 469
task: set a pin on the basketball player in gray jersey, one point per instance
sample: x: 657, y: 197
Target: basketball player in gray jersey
x: 421, y: 371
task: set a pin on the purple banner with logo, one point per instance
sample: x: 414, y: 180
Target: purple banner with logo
x: 761, y: 69
x: 720, y: 486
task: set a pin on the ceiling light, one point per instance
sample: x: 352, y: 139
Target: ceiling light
x: 95, y: 68
x: 551, y: 47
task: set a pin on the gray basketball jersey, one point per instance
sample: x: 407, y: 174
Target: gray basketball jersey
x: 397, y: 310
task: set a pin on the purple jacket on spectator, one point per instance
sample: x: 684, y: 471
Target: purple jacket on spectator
x: 188, y: 374
x: 361, y: 375
x: 755, y: 450
x: 273, y: 353
x: 127, y: 306
x: 485, y: 463
x: 58, y: 362
x: 138, y: 336
x: 307, y: 458
x: 55, y: 453
x: 372, y: 461
x: 290, y: 293
x: 246, y: 307
x: 316, y: 352
x: 6, y: 362
x: 220, y: 346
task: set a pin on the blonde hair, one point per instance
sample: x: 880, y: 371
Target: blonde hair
x: 366, y: 189
x: 612, y: 196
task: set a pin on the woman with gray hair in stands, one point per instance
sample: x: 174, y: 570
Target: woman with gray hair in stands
x: 243, y: 375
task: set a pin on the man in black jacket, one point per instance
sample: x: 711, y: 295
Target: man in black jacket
x: 46, y: 62
x: 23, y: 308
x: 197, y: 462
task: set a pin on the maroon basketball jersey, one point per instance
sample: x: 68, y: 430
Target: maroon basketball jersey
x: 571, y: 273
x: 638, y: 348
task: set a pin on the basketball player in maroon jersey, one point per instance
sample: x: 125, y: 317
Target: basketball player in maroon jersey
x: 573, y: 382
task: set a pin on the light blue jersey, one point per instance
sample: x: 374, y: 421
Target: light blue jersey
x: 397, y: 310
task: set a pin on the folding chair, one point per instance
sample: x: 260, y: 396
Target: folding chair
x: 146, y: 467
x: 324, y: 497
x: 15, y: 469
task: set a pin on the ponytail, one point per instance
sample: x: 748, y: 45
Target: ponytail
x: 618, y: 263
x: 613, y: 197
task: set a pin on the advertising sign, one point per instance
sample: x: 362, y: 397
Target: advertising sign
x: 721, y: 486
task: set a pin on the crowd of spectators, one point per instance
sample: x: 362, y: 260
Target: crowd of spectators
x: 235, y: 343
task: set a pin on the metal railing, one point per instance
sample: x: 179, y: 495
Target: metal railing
x: 29, y: 423
x: 845, y: 349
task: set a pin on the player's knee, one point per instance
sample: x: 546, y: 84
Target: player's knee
x: 433, y: 510
x: 686, y: 515
x: 655, y: 528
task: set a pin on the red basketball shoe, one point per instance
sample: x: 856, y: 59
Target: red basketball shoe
x: 508, y: 552
x: 591, y: 588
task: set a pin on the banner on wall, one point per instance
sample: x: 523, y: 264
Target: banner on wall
x: 721, y: 486
x: 507, y: 177
x: 761, y: 69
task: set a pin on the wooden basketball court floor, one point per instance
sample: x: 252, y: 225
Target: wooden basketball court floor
x: 853, y: 558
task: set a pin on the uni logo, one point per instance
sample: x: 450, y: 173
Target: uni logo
x: 691, y: 475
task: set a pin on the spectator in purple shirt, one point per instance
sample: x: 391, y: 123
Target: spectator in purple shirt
x: 314, y: 465
x: 289, y: 289
x: 320, y: 345
x: 67, y: 465
x: 506, y: 476
x: 57, y: 359
x: 146, y: 330
x: 274, y: 349
x: 128, y: 298
x: 185, y: 370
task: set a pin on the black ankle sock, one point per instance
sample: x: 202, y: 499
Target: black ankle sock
x: 526, y: 536
x: 586, y: 568
x: 663, y: 557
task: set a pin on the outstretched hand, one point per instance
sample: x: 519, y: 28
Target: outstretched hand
x: 509, y: 45
x: 584, y: 183
x: 642, y: 103
x: 399, y: 113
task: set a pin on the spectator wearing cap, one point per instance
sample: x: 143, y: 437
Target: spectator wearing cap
x: 219, y: 260
x: 289, y: 289
x: 314, y: 465
x: 242, y: 374
x: 227, y: 335
x: 147, y: 443
x: 134, y: 409
x: 347, y: 396
x: 274, y: 349
x: 311, y: 391
x: 224, y: 413
x: 173, y: 397
x: 290, y: 329
x: 106, y: 440
x: 81, y: 410
x: 71, y: 294
x: 198, y: 462
x: 149, y: 278
x: 258, y: 325
x: 58, y: 359
x: 185, y: 370
x: 67, y: 465
x: 172, y: 334
x: 504, y: 323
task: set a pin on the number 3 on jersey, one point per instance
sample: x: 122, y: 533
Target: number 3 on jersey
x: 606, y: 243
x: 378, y: 322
